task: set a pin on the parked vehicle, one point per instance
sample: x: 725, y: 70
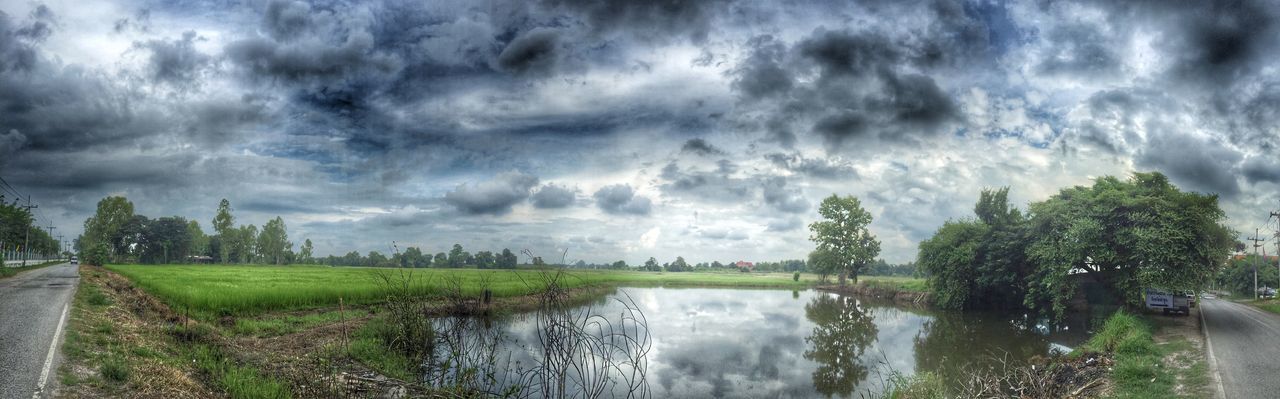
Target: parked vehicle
x: 75, y: 260
x: 1168, y: 301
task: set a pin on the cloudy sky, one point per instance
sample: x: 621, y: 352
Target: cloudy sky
x: 708, y: 129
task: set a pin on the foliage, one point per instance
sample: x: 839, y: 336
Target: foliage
x: 273, y: 242
x: 108, y: 225
x: 823, y: 262
x: 843, y: 232
x: 1237, y: 276
x: 98, y: 254
x: 1143, y: 232
x: 1127, y: 235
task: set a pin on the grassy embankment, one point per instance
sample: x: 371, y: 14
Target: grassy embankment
x: 122, y: 343
x: 13, y: 271
x: 246, y: 290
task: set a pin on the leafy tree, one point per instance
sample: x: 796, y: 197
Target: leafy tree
x: 824, y: 263
x: 223, y: 226
x: 273, y: 242
x: 843, y: 232
x: 163, y: 240
x: 413, y: 257
x: 508, y: 259
x: 458, y: 257
x: 652, y: 265
x: 1143, y: 232
x: 979, y: 263
x: 440, y: 260
x: 950, y: 257
x: 717, y: 265
x: 679, y: 265
x: 199, y: 241
x: 1237, y: 276
x: 484, y: 260
x: 105, y: 225
x: 621, y: 265
x: 304, y: 254
x: 377, y: 259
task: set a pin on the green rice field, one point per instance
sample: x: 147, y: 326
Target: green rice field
x: 255, y: 289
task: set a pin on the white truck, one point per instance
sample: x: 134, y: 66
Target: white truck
x: 1168, y: 301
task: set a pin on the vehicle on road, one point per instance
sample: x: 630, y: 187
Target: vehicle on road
x: 75, y: 260
x: 1167, y: 301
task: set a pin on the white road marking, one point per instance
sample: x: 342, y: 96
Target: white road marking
x: 1221, y: 392
x: 53, y: 348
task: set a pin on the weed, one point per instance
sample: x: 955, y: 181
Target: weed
x: 115, y: 369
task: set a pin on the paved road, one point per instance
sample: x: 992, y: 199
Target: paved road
x: 32, y: 307
x: 1245, y: 342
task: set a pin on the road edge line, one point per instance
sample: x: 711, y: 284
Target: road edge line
x: 1213, y: 361
x: 53, y: 349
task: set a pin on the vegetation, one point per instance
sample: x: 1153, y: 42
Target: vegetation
x: 1142, y: 368
x: 1126, y: 235
x: 1237, y: 275
x: 843, y: 237
x: 18, y: 232
x: 13, y: 271
x: 252, y: 289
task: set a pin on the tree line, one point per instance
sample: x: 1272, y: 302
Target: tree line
x: 1123, y: 235
x: 19, y: 233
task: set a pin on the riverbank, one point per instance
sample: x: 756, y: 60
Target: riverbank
x: 901, y: 290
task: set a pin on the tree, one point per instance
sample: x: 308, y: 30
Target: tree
x: 163, y: 240
x: 440, y: 260
x: 484, y: 260
x: 105, y: 224
x: 304, y: 254
x: 949, y: 258
x: 508, y: 259
x: 377, y: 259
x: 824, y: 263
x: 223, y: 226
x: 1127, y: 235
x: 652, y: 265
x: 844, y: 233
x: 458, y: 257
x: 841, y: 333
x: 273, y: 241
x: 679, y: 265
x: 199, y: 241
x: 982, y: 262
x: 621, y: 265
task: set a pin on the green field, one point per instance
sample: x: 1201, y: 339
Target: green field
x: 254, y: 289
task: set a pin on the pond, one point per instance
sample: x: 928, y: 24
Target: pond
x: 776, y: 343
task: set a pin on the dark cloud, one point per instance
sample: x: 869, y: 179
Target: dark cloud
x: 916, y: 102
x: 286, y: 19
x: 700, y: 147
x: 1201, y: 164
x: 839, y: 128
x: 1260, y: 169
x: 844, y: 53
x: 495, y: 197
x: 715, y: 185
x: 621, y: 199
x: 1222, y: 42
x: 552, y: 196
x: 647, y: 20
x: 176, y: 62
x: 762, y: 74
x: 533, y: 52
x: 782, y: 198
x: 1080, y: 50
x: 781, y: 225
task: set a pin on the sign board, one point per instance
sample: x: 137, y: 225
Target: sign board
x: 1159, y: 300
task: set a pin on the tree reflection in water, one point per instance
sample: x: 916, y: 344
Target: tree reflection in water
x: 842, y: 332
x: 954, y: 345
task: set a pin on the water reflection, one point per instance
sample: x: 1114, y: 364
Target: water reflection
x: 789, y: 344
x: 841, y: 334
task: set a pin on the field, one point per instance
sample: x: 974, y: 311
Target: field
x: 254, y: 289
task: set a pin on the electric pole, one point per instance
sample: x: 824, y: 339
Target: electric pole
x: 1256, y: 240
x: 26, y: 240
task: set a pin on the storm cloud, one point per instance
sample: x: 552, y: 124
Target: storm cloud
x: 704, y: 128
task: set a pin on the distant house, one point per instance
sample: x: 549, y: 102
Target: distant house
x: 744, y: 265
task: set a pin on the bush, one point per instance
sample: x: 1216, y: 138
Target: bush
x: 95, y: 255
x: 795, y: 276
x: 115, y: 369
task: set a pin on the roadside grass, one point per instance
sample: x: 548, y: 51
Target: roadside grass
x: 274, y: 325
x: 119, y: 343
x: 6, y: 272
x: 1147, y: 369
x: 1270, y: 305
x: 214, y: 290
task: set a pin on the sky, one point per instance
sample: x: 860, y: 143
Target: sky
x: 601, y: 131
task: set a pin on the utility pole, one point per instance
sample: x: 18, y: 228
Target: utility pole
x: 51, y: 232
x: 1256, y: 240
x: 26, y: 240
x: 60, y: 246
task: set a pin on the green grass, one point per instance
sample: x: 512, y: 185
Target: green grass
x: 240, y: 382
x: 286, y: 324
x: 1140, y: 370
x: 246, y: 290
x: 909, y: 284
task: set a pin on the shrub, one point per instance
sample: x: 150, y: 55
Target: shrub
x: 795, y: 276
x: 115, y: 369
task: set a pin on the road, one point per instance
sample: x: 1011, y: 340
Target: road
x: 1245, y: 343
x: 33, y: 306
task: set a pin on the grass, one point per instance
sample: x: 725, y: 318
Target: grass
x: 275, y: 325
x: 240, y: 382
x: 247, y: 290
x: 1141, y: 370
x: 6, y: 272
x: 909, y: 284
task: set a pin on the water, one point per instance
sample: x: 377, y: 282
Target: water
x: 771, y: 343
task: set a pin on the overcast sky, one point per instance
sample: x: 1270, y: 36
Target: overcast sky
x: 708, y: 129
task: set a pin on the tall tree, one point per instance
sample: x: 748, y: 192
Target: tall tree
x: 508, y: 259
x: 273, y: 241
x: 199, y: 241
x: 457, y: 256
x: 304, y: 255
x: 223, y: 224
x: 843, y: 232
x: 104, y: 226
